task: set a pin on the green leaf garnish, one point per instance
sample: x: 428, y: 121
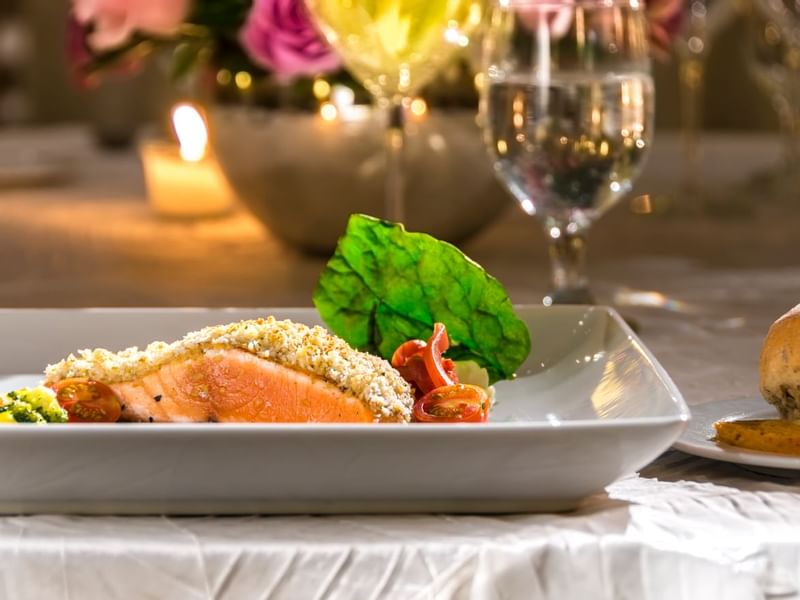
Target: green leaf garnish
x: 384, y: 286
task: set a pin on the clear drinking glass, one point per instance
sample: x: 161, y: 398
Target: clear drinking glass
x: 692, y: 46
x: 692, y: 49
x: 773, y: 59
x: 394, y: 47
x: 567, y: 115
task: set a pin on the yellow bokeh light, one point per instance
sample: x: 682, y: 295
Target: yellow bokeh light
x: 418, y: 107
x: 475, y: 13
x: 328, y: 112
x: 243, y: 80
x: 321, y: 89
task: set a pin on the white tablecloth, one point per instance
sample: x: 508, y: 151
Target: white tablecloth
x: 683, y: 528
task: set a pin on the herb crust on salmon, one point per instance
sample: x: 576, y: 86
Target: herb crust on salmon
x: 194, y: 370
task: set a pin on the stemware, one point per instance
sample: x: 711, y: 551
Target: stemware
x: 773, y: 59
x: 394, y: 47
x: 567, y: 114
x: 704, y: 19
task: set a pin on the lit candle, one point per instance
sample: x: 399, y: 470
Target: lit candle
x: 183, y: 180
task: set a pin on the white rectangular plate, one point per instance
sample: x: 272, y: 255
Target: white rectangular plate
x: 590, y: 405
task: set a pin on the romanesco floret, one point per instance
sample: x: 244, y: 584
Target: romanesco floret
x: 31, y: 405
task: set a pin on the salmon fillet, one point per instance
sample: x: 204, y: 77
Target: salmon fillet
x: 262, y: 370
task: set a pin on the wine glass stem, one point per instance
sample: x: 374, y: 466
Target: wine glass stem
x: 568, y: 262
x: 394, y: 208
x: 691, y: 75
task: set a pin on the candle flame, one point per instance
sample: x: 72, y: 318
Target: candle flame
x: 190, y: 127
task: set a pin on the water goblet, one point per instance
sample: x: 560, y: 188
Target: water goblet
x: 567, y: 115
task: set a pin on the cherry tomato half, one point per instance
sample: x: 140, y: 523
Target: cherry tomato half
x: 88, y: 401
x: 460, y: 403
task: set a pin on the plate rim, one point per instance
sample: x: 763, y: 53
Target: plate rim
x: 731, y: 454
x: 356, y: 428
x: 682, y: 411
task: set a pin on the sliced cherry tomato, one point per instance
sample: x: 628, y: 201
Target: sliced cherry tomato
x: 432, y: 353
x: 460, y: 403
x: 88, y: 401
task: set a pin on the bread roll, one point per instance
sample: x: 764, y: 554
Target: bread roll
x: 779, y: 367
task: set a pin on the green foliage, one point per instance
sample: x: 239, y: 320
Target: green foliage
x: 384, y: 286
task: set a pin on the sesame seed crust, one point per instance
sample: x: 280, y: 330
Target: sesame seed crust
x: 312, y: 350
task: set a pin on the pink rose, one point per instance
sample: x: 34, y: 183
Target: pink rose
x: 78, y: 52
x: 279, y: 36
x: 82, y: 60
x: 114, y: 21
x: 665, y: 18
x: 557, y: 17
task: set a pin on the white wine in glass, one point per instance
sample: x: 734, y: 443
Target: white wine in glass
x: 567, y: 114
x: 394, y: 47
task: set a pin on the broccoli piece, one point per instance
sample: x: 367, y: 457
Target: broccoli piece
x: 31, y: 405
x: 17, y: 411
x: 43, y: 401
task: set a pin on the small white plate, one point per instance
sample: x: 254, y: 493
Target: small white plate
x: 590, y: 405
x: 698, y: 438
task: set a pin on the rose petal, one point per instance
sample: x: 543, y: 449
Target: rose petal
x: 113, y: 21
x: 279, y: 35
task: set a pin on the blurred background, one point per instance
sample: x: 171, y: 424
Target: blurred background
x: 123, y: 216
x: 36, y: 86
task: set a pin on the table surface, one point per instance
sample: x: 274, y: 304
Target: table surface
x: 717, y: 271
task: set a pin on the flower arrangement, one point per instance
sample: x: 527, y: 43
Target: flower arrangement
x: 276, y: 35
x: 261, y: 52
x: 665, y: 18
x: 273, y: 38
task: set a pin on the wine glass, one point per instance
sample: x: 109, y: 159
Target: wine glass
x: 394, y: 47
x: 704, y: 19
x: 773, y: 59
x: 567, y: 116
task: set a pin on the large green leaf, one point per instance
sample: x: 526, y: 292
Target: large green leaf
x: 384, y: 286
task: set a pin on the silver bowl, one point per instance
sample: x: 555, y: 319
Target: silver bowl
x: 302, y: 176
